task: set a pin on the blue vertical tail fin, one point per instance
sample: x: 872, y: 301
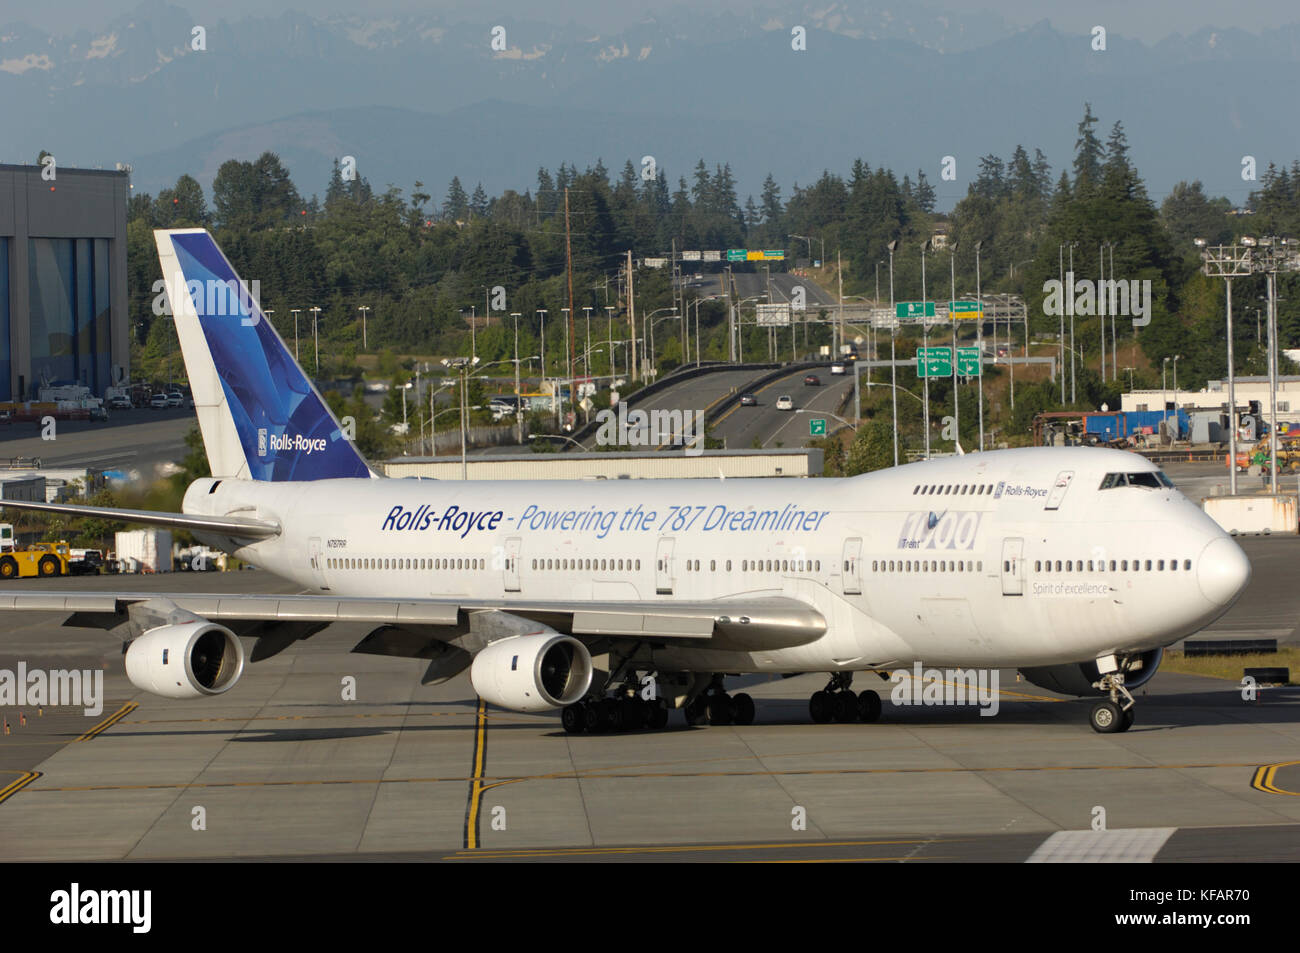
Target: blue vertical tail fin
x: 260, y: 415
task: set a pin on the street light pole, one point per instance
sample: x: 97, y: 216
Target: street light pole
x: 363, y: 309
x: 925, y: 343
x: 519, y: 419
x: 315, y: 337
x: 295, y: 331
x: 979, y: 339
x: 893, y: 368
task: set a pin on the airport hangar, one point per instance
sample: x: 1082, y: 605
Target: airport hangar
x: 63, y: 291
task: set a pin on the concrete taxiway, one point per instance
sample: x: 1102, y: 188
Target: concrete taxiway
x: 283, y: 767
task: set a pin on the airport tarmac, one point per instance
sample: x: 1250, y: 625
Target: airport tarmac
x: 282, y: 767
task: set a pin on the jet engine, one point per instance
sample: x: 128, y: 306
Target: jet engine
x: 185, y: 661
x: 1077, y: 678
x: 535, y: 672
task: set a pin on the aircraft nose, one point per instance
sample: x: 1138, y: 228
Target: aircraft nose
x: 1223, y: 571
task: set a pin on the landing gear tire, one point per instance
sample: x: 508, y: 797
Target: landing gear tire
x: 869, y: 707
x: 744, y: 708
x: 821, y: 706
x: 722, y: 711
x: 635, y: 714
x: 1129, y: 714
x: 611, y: 714
x: 574, y: 718
x: 846, y: 706
x: 657, y: 718
x: 1108, y: 718
x: 593, y: 719
x: 697, y: 712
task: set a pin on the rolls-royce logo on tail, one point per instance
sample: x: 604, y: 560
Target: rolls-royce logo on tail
x: 261, y: 441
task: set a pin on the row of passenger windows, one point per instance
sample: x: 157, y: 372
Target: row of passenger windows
x: 1099, y: 565
x: 410, y: 562
x: 588, y: 565
x: 955, y: 489
x: 926, y: 565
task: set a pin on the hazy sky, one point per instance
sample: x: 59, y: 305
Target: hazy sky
x: 1148, y: 20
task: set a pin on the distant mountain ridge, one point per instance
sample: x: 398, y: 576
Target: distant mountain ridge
x: 418, y: 97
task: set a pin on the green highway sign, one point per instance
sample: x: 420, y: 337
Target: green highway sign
x: 817, y: 427
x: 736, y: 254
x: 914, y: 309
x: 965, y: 310
x: 968, y: 361
x: 934, y: 362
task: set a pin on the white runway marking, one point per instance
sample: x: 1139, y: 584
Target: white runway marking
x: 1136, y: 846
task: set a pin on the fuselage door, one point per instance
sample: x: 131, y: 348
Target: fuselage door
x: 851, y: 566
x: 317, y: 562
x: 1012, y: 568
x: 1059, y: 487
x: 510, y: 565
x: 664, y: 567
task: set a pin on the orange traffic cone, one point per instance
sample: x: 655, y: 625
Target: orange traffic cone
x: 6, y: 726
x: 22, y: 720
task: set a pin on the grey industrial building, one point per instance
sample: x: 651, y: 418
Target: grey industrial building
x: 63, y: 295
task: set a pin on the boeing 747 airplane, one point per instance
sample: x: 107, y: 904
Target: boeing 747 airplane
x: 1076, y: 566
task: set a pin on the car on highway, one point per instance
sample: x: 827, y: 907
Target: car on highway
x: 811, y: 380
x: 748, y: 400
x: 120, y: 402
x: 158, y: 400
x: 837, y: 368
x: 784, y: 402
x: 175, y: 399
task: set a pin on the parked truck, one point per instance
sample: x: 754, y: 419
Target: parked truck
x: 38, y: 559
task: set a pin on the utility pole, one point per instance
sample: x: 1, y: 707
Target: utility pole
x: 519, y: 410
x: 631, y: 317
x: 839, y: 276
x: 568, y: 258
x: 925, y: 343
x: 893, y: 369
x: 295, y: 332
x: 979, y: 339
x: 956, y: 411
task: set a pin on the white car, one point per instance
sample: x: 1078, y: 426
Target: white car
x: 784, y: 402
x: 837, y: 368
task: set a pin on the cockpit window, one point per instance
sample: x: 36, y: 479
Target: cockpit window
x: 1152, y: 479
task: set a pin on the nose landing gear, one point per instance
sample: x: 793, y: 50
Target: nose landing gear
x: 1115, y: 715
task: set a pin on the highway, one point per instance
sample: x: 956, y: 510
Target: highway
x: 141, y: 441
x: 764, y: 425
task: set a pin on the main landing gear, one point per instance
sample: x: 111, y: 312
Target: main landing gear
x: 838, y: 702
x: 599, y: 715
x: 715, y: 707
x: 1116, y: 714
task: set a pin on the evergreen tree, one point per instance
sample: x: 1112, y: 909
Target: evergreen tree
x: 456, y: 206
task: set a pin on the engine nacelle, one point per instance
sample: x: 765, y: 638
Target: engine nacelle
x: 1077, y: 678
x: 185, y: 661
x: 535, y: 672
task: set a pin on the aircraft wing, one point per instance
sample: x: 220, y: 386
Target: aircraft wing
x: 756, y: 624
x: 240, y: 527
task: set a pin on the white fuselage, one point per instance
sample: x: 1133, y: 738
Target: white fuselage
x: 1013, y: 558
